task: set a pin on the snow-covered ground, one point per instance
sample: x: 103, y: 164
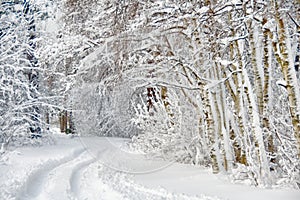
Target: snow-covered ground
x: 103, y: 168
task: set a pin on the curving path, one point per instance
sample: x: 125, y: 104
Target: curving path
x: 99, y: 168
x: 36, y: 181
x: 91, y: 171
x: 51, y: 178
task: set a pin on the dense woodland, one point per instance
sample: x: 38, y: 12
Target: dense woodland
x: 213, y: 82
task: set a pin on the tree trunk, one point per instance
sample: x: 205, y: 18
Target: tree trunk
x: 289, y: 74
x: 267, y: 60
x: 63, y: 121
x: 257, y: 134
x: 209, y: 123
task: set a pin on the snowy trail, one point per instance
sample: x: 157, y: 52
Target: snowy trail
x: 92, y: 173
x: 103, y: 183
x: 35, y: 182
x: 75, y: 176
x: 92, y: 186
x: 99, y: 168
x: 124, y: 186
x: 59, y: 180
x: 77, y: 173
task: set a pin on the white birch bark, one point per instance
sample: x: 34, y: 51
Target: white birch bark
x: 258, y: 133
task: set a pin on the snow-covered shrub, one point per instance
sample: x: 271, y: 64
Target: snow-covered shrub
x: 163, y: 129
x: 22, y: 93
x: 19, y: 73
x: 102, y: 111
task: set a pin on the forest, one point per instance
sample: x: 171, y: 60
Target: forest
x: 213, y: 83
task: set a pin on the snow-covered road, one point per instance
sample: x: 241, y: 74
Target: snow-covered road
x: 60, y: 177
x: 103, y: 168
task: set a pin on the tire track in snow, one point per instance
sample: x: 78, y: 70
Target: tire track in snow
x: 58, y: 183
x: 76, y: 174
x: 93, y: 187
x: 36, y: 180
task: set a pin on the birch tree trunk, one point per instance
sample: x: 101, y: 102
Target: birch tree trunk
x: 289, y: 74
x: 223, y: 127
x: 209, y: 123
x: 234, y: 88
x: 267, y: 61
x: 263, y: 171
